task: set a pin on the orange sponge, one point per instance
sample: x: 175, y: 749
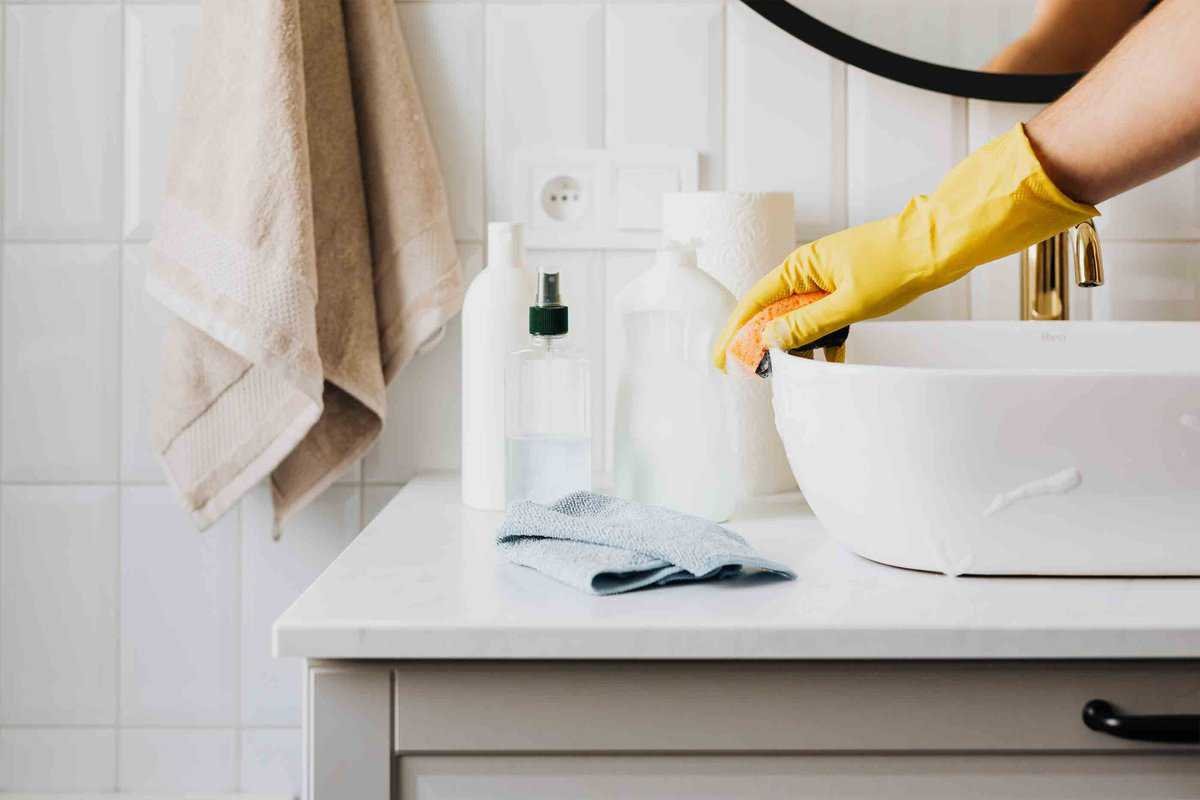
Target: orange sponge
x: 747, y: 348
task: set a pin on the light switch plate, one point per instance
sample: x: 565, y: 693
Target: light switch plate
x: 598, y: 199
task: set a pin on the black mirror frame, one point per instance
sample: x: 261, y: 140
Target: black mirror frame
x: 914, y: 72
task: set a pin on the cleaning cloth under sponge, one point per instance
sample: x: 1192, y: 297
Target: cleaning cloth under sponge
x: 747, y: 348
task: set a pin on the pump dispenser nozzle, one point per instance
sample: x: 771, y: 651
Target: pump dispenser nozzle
x: 548, y: 290
x: 549, y: 316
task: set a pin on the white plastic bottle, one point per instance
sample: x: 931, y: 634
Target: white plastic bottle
x: 494, y: 322
x: 548, y: 407
x: 674, y: 438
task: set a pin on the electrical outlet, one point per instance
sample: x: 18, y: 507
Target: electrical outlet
x: 564, y: 199
x: 560, y: 197
x: 589, y: 199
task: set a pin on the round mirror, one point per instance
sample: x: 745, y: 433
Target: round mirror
x: 1016, y: 50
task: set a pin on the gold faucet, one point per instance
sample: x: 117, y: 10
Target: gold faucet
x: 1044, y: 291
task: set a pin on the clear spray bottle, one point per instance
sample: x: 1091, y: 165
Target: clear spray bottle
x: 547, y: 408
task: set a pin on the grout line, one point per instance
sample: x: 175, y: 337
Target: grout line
x: 724, y: 82
x: 117, y: 483
x: 4, y: 45
x: 140, y: 727
x: 238, y: 570
x: 123, y: 90
x: 603, y: 72
x: 484, y: 25
x: 362, y: 503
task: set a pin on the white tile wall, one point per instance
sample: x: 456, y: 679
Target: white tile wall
x: 271, y: 761
x: 62, y: 117
x: 179, y: 597
x: 176, y: 760
x: 274, y: 573
x: 684, y: 43
x: 545, y: 75
x: 791, y: 136
x: 60, y: 355
x: 158, y: 47
x: 134, y: 652
x: 1166, y: 208
x: 445, y: 41
x: 1150, y: 280
x: 58, y: 605
x: 59, y: 759
x: 143, y: 322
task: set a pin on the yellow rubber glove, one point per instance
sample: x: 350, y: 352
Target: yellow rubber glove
x: 997, y: 201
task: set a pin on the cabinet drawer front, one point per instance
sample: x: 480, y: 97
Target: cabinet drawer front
x: 1094, y: 777
x: 772, y: 707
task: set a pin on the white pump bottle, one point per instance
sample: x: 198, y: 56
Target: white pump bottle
x: 674, y: 433
x: 495, y: 321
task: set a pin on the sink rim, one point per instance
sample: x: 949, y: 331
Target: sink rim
x: 782, y: 360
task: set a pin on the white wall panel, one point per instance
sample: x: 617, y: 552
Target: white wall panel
x: 60, y: 363
x: 785, y: 121
x: 544, y: 85
x: 58, y: 601
x: 176, y: 760
x: 143, y: 323
x: 179, y: 628
x: 900, y: 140
x: 62, y: 121
x: 445, y: 43
x: 271, y: 761
x: 274, y: 573
x: 1165, y: 208
x: 158, y: 48
x: 58, y: 760
x: 1149, y: 280
x: 663, y: 81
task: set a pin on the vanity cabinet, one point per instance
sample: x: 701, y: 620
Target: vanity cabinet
x: 786, y: 729
x: 436, y: 670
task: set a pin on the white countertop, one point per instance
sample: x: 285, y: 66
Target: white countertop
x: 424, y: 581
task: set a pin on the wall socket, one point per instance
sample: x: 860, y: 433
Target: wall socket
x: 564, y: 199
x: 593, y: 199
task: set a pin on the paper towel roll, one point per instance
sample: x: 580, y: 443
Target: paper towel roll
x: 740, y: 236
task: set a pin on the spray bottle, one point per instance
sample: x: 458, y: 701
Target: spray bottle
x: 547, y: 406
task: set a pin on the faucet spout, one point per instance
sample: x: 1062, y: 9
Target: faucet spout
x: 1044, y: 291
x: 1089, y: 263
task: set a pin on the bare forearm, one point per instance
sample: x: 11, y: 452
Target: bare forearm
x: 1132, y: 118
x: 1057, y: 40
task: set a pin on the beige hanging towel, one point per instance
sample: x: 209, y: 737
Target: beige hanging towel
x: 305, y: 248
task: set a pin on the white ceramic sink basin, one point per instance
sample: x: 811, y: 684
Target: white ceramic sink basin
x: 1029, y: 448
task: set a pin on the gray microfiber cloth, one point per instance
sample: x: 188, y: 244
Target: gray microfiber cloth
x: 605, y: 545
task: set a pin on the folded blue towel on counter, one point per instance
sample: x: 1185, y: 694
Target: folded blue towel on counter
x: 605, y: 545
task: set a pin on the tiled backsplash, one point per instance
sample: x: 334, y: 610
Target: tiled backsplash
x: 134, y: 652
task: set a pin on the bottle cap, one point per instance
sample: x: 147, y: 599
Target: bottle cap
x: 506, y: 245
x: 677, y: 254
x: 549, y: 316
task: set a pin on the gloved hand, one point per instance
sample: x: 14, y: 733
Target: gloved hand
x: 996, y: 202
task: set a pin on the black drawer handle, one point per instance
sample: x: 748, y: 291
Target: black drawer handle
x: 1100, y: 715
